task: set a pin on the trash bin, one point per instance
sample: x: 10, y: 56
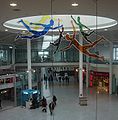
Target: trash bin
x: 27, y: 94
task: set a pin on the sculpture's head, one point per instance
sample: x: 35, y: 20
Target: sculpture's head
x: 78, y: 19
x: 68, y: 37
x: 62, y: 29
x: 51, y: 22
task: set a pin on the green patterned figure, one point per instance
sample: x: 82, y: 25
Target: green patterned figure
x: 81, y: 26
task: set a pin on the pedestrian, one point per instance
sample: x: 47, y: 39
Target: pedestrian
x: 59, y: 79
x: 51, y: 107
x: 44, y: 104
x: 68, y: 79
x: 54, y: 99
x: 63, y: 79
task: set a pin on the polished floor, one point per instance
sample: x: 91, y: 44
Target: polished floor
x: 100, y: 106
x: 7, y: 104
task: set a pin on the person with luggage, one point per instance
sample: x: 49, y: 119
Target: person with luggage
x: 44, y: 104
x: 51, y: 107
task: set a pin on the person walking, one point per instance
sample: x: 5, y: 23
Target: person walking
x: 54, y: 99
x: 44, y: 104
x: 51, y: 107
x: 59, y: 80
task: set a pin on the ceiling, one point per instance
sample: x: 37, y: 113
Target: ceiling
x: 105, y: 8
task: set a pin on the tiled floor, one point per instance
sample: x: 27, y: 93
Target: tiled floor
x: 100, y: 106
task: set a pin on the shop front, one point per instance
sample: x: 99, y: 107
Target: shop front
x: 100, y: 80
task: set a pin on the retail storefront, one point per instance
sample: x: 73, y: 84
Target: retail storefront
x: 101, y: 80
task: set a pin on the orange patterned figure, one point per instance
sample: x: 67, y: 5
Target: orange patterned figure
x: 83, y: 48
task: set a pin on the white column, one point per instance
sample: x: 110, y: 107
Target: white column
x: 80, y: 69
x: 13, y: 57
x: 42, y: 80
x: 45, y: 91
x: 15, y: 100
x: 42, y: 73
x: 87, y: 71
x: 29, y: 63
x: 110, y: 68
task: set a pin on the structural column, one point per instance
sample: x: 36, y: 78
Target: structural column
x: 110, y: 68
x: 15, y: 100
x: 87, y: 72
x: 42, y: 73
x: 14, y: 78
x: 80, y: 68
x: 13, y: 57
x: 29, y: 63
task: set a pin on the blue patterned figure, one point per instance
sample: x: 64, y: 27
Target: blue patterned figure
x: 37, y: 34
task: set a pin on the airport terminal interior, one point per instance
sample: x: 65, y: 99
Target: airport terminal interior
x: 58, y: 60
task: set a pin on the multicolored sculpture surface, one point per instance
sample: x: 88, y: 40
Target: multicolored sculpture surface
x: 34, y: 33
x: 57, y: 43
x: 83, y: 48
x: 42, y: 21
x: 37, y: 34
x: 59, y: 40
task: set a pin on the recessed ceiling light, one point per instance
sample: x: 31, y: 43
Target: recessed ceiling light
x: 105, y: 29
x: 13, y: 4
x: 6, y: 30
x: 74, y: 4
x: 10, y: 47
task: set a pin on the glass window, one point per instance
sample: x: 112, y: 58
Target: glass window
x: 115, y: 53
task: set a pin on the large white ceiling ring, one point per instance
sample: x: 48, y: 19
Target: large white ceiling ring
x: 89, y: 21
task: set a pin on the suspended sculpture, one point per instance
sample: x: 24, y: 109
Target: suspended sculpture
x: 57, y: 43
x: 42, y: 21
x: 83, y: 48
x: 81, y: 27
x: 37, y: 34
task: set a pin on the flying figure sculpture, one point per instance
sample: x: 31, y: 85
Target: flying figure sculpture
x: 57, y: 43
x: 81, y: 27
x: 83, y: 48
x: 37, y: 34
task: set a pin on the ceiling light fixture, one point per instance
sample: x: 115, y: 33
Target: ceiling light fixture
x: 6, y: 30
x: 10, y: 47
x: 74, y: 4
x: 105, y: 29
x: 13, y: 4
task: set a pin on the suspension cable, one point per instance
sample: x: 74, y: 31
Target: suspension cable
x: 96, y: 8
x: 52, y: 69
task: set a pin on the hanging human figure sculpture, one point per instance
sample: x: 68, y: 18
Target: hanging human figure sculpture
x: 82, y: 48
x: 42, y: 21
x: 37, y: 34
x: 59, y: 39
x: 81, y: 26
